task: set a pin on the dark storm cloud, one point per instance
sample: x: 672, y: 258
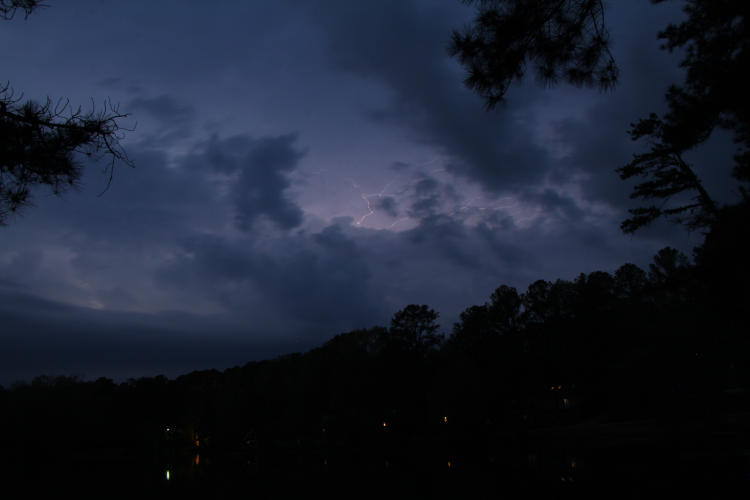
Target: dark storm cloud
x: 260, y: 168
x: 426, y: 186
x: 551, y: 201
x: 174, y: 120
x: 46, y: 337
x: 315, y: 281
x: 114, y: 242
x: 425, y: 206
x: 151, y: 202
x: 164, y: 107
x: 400, y: 166
x: 386, y: 204
x: 317, y: 284
x: 428, y: 197
x: 111, y: 237
x: 85, y: 248
x: 403, y: 45
x: 210, y: 259
x: 338, y: 278
x: 425, y: 200
x: 262, y: 182
x: 448, y: 237
x: 165, y: 119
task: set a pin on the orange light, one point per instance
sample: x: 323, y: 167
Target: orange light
x: 385, y: 424
x: 197, y: 460
x: 449, y: 464
x: 445, y: 420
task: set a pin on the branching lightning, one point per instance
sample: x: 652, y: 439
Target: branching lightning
x: 366, y: 198
x: 472, y: 210
x: 370, y: 211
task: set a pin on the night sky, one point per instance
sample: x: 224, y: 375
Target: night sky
x: 303, y: 169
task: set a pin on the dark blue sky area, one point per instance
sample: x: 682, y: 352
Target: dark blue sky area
x: 304, y: 169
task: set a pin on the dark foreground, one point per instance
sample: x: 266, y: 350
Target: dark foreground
x: 631, y: 459
x: 632, y: 385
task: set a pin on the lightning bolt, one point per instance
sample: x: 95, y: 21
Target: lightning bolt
x: 402, y: 219
x: 370, y: 211
x: 366, y: 198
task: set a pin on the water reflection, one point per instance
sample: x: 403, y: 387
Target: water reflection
x: 280, y: 472
x: 424, y: 470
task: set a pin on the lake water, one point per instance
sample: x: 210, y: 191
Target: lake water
x: 639, y: 470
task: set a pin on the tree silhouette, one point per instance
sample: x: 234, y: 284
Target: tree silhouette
x: 473, y: 331
x: 38, y: 142
x: 596, y: 290
x: 505, y: 310
x: 568, y: 39
x: 563, y: 39
x: 630, y: 281
x: 715, y: 38
x: 667, y: 264
x: 536, y: 302
x: 483, y: 329
x: 668, y: 175
x: 8, y: 8
x: 723, y: 262
x: 414, y: 329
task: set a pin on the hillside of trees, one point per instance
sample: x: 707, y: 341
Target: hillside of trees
x: 650, y: 359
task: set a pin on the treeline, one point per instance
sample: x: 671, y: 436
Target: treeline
x: 665, y: 342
